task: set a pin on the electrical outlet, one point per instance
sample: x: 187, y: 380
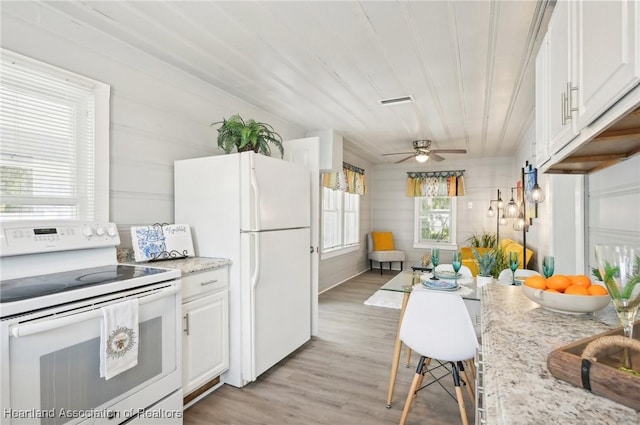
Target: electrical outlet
x: 469, y: 204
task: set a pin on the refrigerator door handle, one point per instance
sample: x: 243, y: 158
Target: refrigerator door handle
x: 256, y: 258
x: 255, y: 188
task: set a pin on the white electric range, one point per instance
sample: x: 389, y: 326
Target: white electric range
x: 55, y: 278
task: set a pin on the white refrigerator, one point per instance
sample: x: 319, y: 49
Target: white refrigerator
x: 254, y: 210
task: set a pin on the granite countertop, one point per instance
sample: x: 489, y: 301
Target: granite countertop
x: 517, y: 337
x: 186, y: 265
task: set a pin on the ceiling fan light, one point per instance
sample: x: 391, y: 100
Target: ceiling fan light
x: 422, y: 157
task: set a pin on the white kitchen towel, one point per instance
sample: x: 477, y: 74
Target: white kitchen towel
x: 119, y: 338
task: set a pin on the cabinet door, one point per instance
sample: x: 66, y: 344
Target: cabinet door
x: 205, y: 342
x: 607, y: 54
x: 560, y: 127
x: 542, y: 91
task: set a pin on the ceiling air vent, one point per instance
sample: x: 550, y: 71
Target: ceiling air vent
x: 396, y: 100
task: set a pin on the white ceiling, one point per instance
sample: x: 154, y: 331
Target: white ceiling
x: 469, y: 65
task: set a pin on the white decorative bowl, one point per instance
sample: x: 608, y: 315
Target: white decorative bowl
x: 569, y: 304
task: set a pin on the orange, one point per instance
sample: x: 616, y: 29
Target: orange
x: 558, y: 282
x: 580, y: 280
x: 555, y: 291
x: 576, y: 290
x: 536, y: 282
x: 597, y: 290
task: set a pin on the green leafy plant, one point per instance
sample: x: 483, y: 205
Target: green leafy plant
x: 502, y: 261
x: 486, y: 262
x: 483, y: 240
x: 247, y: 135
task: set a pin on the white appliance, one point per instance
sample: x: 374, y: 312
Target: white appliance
x: 55, y: 277
x: 254, y: 210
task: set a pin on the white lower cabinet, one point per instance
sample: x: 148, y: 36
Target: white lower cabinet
x: 205, y: 337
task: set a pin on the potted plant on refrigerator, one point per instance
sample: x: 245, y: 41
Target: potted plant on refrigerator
x: 247, y: 135
x: 486, y: 262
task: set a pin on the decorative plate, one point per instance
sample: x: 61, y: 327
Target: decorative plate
x: 440, y: 285
x: 447, y: 274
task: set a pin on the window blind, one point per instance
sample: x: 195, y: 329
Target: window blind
x: 47, y: 142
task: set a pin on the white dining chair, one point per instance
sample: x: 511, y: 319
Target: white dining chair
x: 464, y: 270
x: 507, y: 275
x: 455, y: 343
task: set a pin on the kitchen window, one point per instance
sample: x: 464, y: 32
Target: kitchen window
x: 54, y: 157
x: 435, y: 222
x: 340, y: 222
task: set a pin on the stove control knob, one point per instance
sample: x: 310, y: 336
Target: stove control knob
x: 100, y: 231
x: 87, y: 231
x: 112, y: 231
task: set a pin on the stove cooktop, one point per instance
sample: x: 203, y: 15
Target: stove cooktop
x: 55, y: 283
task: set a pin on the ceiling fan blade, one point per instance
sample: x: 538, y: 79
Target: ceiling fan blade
x: 435, y: 157
x: 398, y: 153
x: 403, y: 160
x: 449, y: 150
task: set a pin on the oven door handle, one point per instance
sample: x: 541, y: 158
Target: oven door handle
x: 37, y: 327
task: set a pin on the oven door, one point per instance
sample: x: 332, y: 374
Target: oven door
x: 54, y: 363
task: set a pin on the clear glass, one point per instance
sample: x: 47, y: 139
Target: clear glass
x: 456, y: 264
x: 547, y: 266
x: 513, y: 265
x: 619, y: 267
x: 435, y: 259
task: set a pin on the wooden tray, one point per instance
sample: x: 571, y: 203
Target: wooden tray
x: 603, y: 376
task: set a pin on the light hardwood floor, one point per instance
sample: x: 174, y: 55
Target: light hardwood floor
x: 339, y: 377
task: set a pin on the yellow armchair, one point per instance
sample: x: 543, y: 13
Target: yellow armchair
x: 509, y: 245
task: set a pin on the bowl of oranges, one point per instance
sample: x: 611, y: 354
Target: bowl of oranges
x: 574, y: 294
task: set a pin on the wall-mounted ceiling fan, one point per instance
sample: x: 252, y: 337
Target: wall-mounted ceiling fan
x: 423, y: 152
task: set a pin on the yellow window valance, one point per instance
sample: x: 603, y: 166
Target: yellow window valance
x: 351, y: 179
x: 435, y: 183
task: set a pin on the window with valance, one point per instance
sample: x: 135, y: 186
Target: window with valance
x: 351, y: 180
x: 341, y: 210
x: 435, y: 183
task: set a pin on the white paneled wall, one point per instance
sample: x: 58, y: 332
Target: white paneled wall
x: 394, y: 211
x: 158, y: 114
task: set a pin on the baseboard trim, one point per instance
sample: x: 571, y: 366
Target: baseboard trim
x: 343, y: 281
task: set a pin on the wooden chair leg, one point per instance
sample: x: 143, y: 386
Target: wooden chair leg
x: 427, y: 362
x: 467, y: 380
x: 415, y: 384
x: 408, y: 357
x: 471, y: 373
x: 456, y: 382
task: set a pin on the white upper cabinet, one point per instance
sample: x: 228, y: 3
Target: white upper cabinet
x: 588, y: 60
x: 542, y: 91
x: 608, y: 43
x: 560, y: 127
